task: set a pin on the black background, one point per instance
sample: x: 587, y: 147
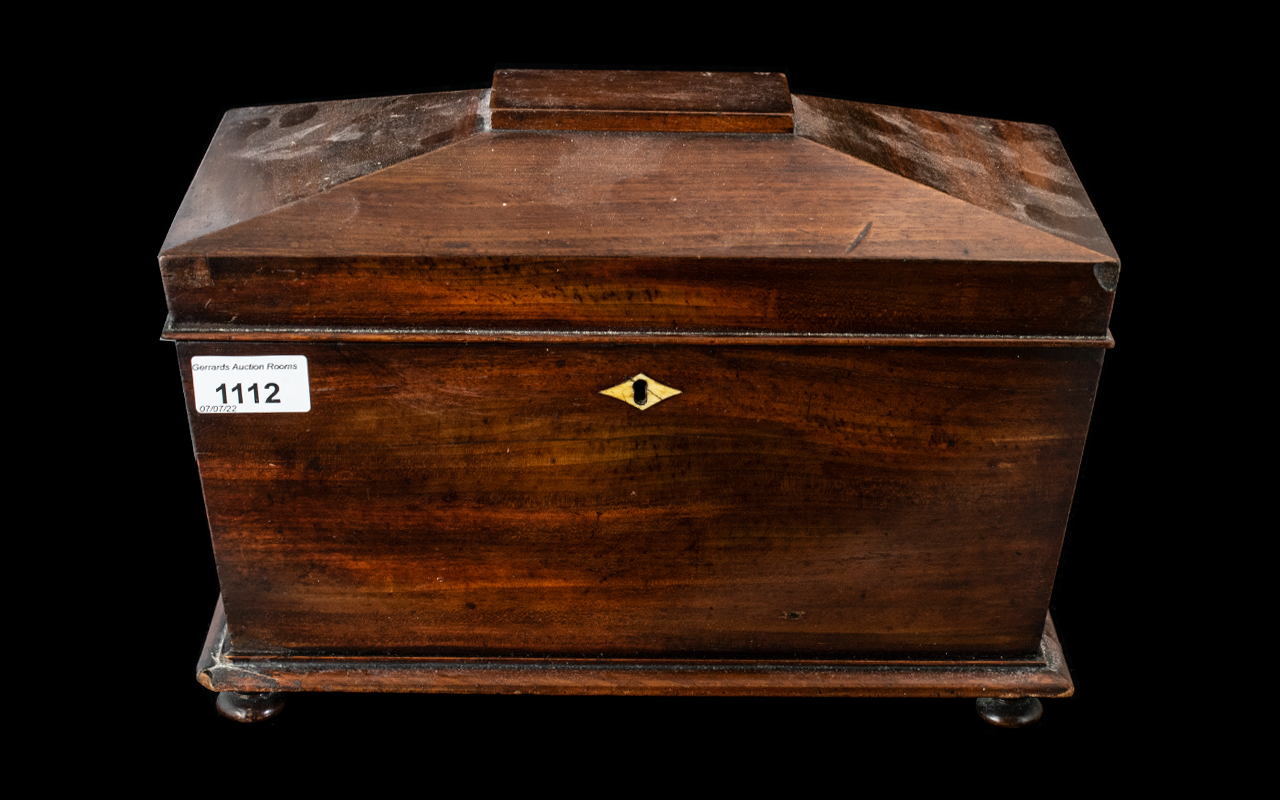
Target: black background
x: 162, y: 584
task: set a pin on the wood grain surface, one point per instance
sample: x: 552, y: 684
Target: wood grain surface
x: 636, y: 232
x: 315, y: 333
x: 637, y: 195
x: 265, y: 157
x: 1043, y: 674
x: 1016, y: 169
x: 673, y: 296
x: 792, y: 502
x: 630, y: 100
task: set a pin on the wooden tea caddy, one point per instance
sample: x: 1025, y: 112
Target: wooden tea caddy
x: 636, y: 383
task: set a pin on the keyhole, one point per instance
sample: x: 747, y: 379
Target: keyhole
x: 641, y: 389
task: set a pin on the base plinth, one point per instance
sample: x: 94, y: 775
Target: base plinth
x: 1042, y: 675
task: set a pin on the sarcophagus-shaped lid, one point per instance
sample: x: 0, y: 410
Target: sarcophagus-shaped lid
x: 634, y: 205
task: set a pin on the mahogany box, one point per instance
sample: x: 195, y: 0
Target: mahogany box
x: 636, y: 383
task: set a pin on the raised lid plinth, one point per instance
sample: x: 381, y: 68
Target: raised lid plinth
x: 629, y: 100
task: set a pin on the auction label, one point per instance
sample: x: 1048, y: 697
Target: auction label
x: 251, y: 384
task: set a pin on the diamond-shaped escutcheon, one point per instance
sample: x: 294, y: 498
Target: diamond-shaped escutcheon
x: 640, y: 391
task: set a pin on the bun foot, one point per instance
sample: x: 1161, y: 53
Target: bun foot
x: 250, y: 706
x: 1016, y: 713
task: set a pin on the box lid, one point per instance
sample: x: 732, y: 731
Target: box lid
x: 638, y: 205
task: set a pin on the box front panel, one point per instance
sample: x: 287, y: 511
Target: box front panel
x: 790, y: 502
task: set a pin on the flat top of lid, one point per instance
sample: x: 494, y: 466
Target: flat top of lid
x: 632, y: 100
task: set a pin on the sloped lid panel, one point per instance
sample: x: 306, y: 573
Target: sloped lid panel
x: 637, y: 195
x: 1016, y: 169
x: 265, y: 157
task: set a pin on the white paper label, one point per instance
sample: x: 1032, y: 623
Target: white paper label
x: 251, y: 384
